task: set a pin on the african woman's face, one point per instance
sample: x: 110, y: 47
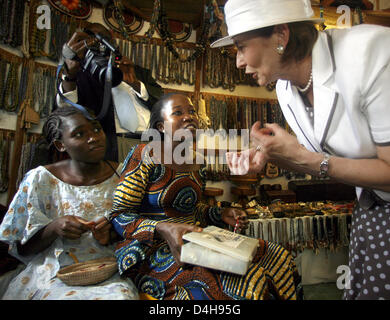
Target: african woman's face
x: 82, y: 139
x: 179, y: 113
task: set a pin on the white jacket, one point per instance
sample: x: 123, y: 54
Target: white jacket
x: 351, y: 85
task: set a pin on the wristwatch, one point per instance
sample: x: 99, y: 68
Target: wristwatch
x: 324, y: 166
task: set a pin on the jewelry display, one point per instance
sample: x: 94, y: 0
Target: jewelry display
x: 220, y: 71
x: 10, y: 94
x: 154, y: 20
x: 12, y: 14
x: 307, y: 232
x: 25, y: 48
x: 5, y: 151
x: 23, y: 82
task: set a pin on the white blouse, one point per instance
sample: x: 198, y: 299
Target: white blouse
x: 42, y: 198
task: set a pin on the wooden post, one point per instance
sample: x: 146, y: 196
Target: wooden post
x: 20, y: 133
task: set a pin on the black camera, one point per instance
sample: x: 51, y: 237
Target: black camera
x: 97, y: 59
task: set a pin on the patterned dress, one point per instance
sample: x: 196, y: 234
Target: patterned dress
x: 41, y: 198
x: 148, y: 193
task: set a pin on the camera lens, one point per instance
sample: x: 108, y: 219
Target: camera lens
x: 97, y: 65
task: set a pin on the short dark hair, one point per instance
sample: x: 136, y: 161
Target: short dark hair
x: 303, y: 35
x: 52, y: 128
x: 155, y: 115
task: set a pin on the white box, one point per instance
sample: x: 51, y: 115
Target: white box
x: 219, y: 249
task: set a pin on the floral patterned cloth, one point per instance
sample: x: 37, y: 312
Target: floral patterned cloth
x: 41, y: 198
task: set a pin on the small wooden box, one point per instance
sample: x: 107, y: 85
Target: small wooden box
x: 283, y: 195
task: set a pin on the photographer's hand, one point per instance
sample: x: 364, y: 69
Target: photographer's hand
x: 127, y: 68
x: 78, y: 43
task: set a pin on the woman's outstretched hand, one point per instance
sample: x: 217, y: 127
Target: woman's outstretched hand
x: 172, y: 233
x: 270, y: 144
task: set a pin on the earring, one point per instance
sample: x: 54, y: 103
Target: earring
x: 280, y: 49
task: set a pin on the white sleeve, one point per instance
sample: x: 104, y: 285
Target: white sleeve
x: 25, y: 215
x: 377, y: 106
x: 71, y: 95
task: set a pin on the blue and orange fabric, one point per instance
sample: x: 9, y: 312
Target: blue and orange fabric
x: 149, y: 193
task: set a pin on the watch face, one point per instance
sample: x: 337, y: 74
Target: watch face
x: 324, y: 167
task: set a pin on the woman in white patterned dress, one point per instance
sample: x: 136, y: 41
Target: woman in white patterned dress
x: 58, y: 212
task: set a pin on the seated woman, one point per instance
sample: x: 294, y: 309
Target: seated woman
x: 156, y: 202
x: 59, y: 209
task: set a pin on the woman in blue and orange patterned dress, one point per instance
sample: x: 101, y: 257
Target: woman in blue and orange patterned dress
x: 158, y: 200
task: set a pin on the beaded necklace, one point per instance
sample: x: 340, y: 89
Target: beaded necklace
x: 50, y: 80
x: 23, y: 83
x: 15, y: 33
x: 118, y: 8
x: 3, y: 76
x: 10, y: 96
x: 154, y: 19
x: 26, y: 27
x: 5, y: 151
x: 59, y: 36
x: 4, y: 22
x: 11, y: 22
x: 139, y: 54
x: 308, y: 85
x: 167, y: 37
x: 38, y: 89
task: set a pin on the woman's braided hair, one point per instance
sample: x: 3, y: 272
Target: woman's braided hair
x: 52, y: 128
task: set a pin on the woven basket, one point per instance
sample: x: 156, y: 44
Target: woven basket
x: 88, y: 272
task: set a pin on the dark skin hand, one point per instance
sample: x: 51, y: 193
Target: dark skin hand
x: 69, y: 227
x: 173, y: 233
x: 231, y: 216
x: 102, y: 231
x: 78, y: 43
x: 127, y: 67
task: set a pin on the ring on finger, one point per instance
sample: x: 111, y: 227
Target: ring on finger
x: 258, y: 148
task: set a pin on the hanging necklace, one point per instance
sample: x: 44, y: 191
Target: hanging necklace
x: 308, y: 85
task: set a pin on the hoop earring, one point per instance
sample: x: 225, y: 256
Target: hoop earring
x: 280, y: 49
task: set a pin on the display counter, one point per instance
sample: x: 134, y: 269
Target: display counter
x: 319, y: 243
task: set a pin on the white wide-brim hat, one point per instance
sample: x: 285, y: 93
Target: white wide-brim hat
x: 247, y: 15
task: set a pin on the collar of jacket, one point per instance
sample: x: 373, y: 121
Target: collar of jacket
x: 325, y: 96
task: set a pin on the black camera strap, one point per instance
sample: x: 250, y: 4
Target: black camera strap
x: 78, y: 106
x: 107, y: 90
x: 106, y: 97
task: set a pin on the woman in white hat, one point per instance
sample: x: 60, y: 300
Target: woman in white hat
x: 334, y: 90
